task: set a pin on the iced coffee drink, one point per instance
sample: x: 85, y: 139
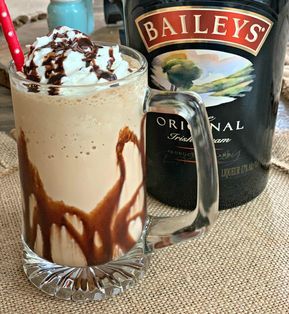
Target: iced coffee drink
x: 80, y: 139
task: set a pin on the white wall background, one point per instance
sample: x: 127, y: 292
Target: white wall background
x: 24, y: 7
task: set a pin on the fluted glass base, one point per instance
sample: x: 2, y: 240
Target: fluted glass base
x: 92, y: 283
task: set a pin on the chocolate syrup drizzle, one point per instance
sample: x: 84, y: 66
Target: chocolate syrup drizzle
x: 110, y: 221
x: 111, y: 59
x: 53, y: 62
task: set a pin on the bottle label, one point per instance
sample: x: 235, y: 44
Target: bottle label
x: 229, y: 26
x: 231, y: 54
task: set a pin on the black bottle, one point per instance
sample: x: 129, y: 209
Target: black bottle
x: 231, y: 53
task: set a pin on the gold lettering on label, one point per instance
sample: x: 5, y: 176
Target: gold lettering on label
x: 219, y: 25
x: 238, y: 26
x: 198, y: 25
x: 228, y: 127
x: 184, y: 24
x: 172, y: 124
x: 168, y: 26
x: 253, y: 29
x: 151, y: 31
x: 239, y: 126
x: 189, y: 24
x: 231, y: 172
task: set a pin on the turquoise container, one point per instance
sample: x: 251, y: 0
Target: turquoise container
x: 71, y: 13
x: 90, y: 16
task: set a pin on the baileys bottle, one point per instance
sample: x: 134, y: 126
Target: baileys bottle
x: 229, y: 52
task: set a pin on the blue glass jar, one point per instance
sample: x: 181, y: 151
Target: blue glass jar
x: 90, y: 16
x: 72, y: 13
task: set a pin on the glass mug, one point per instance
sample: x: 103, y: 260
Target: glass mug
x: 86, y: 232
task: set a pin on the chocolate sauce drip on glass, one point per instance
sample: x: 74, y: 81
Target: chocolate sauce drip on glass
x: 32, y: 88
x: 110, y: 221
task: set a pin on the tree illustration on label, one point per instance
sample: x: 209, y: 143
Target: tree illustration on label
x: 219, y: 77
x: 181, y: 71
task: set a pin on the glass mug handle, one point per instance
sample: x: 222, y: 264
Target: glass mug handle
x: 166, y: 231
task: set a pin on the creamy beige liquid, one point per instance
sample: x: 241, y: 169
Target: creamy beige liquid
x: 71, y: 150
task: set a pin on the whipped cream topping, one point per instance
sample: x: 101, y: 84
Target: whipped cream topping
x: 68, y: 57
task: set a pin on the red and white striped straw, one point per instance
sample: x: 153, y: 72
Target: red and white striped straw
x: 11, y: 36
